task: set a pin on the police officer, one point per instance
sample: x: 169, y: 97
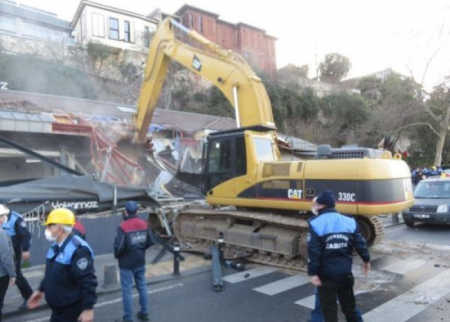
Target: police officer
x: 16, y: 228
x: 69, y: 283
x: 331, y: 240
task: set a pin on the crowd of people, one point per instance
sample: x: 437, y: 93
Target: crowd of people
x: 418, y: 174
x: 69, y: 283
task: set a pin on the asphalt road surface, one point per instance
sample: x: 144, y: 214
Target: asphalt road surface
x: 408, y: 282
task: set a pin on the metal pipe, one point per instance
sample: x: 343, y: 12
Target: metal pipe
x: 236, y: 106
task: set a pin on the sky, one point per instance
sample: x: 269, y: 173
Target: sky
x: 412, y: 37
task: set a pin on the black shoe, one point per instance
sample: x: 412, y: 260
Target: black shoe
x: 142, y: 316
x: 23, y: 306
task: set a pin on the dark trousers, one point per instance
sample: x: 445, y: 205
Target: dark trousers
x: 69, y: 313
x: 341, y: 287
x: 21, y: 282
x: 4, y: 282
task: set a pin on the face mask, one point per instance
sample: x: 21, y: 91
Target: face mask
x: 315, y: 211
x: 49, y: 237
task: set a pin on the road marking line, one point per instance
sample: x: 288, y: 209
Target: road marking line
x: 308, y: 302
x: 403, y: 266
x: 158, y: 290
x: 118, y: 300
x: 283, y: 284
x: 246, y: 275
x: 402, y: 308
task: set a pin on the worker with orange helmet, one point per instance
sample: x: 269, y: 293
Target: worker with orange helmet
x: 69, y: 270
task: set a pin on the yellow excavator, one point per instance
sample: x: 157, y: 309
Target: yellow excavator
x: 243, y: 167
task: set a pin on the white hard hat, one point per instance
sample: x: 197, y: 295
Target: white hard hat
x: 3, y: 210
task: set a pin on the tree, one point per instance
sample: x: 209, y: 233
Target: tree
x: 290, y: 73
x: 334, y: 68
x: 343, y: 115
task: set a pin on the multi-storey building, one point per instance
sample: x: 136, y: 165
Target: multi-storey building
x: 254, y: 44
x: 98, y: 23
x: 20, y: 21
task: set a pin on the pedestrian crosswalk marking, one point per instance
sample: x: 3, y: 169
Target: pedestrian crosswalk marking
x: 283, y: 285
x: 307, y: 302
x: 403, y: 307
x: 404, y: 266
x: 246, y: 275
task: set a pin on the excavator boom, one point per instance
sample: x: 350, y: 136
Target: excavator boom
x: 226, y: 70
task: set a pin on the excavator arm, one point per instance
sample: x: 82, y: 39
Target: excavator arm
x: 226, y: 70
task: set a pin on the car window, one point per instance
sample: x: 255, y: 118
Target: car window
x: 432, y: 189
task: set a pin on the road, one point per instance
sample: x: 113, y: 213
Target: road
x: 408, y: 283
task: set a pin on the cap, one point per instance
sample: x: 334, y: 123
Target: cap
x: 326, y: 198
x: 131, y: 207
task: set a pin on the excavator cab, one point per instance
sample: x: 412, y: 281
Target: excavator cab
x: 236, y: 154
x: 226, y: 159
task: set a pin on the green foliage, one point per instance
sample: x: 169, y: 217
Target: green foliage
x: 129, y: 72
x: 300, y: 105
x: 395, y: 90
x: 291, y: 72
x: 350, y: 111
x: 99, y: 51
x: 30, y: 74
x: 334, y: 68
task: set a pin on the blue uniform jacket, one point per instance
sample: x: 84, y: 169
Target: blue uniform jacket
x: 132, y: 239
x: 331, y: 240
x: 70, y: 275
x: 16, y: 228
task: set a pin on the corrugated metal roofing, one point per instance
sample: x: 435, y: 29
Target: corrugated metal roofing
x: 32, y: 102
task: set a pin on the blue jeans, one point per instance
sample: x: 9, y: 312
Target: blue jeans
x: 316, y: 313
x: 126, y: 281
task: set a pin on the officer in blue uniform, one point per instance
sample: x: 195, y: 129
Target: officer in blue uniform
x: 16, y: 228
x: 69, y: 283
x: 331, y: 240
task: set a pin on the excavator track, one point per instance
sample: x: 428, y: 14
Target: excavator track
x: 264, y: 238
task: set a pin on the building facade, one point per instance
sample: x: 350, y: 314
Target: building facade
x: 97, y: 23
x: 252, y: 43
x: 18, y: 20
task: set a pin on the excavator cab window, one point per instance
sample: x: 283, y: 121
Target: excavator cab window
x: 264, y: 149
x: 226, y: 159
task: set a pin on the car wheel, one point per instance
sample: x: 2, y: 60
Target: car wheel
x: 409, y: 223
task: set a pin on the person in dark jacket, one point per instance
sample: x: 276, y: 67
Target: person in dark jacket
x: 17, y: 230
x: 331, y: 240
x: 132, y: 239
x: 7, y: 270
x: 69, y: 282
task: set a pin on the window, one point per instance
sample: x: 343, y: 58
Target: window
x: 98, y: 25
x: 7, y: 23
x: 114, y: 28
x: 127, y: 33
x: 200, y: 24
x: 147, y: 36
x: 264, y: 150
x: 37, y: 31
x: 220, y: 157
x: 191, y: 20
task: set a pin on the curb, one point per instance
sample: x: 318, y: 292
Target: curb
x: 101, y: 290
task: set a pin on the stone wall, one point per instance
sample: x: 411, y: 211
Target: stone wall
x: 115, y: 67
